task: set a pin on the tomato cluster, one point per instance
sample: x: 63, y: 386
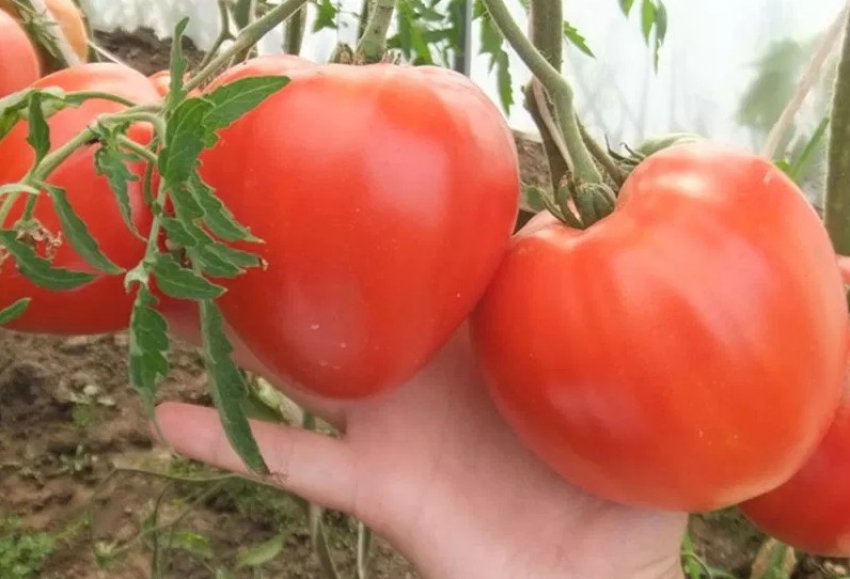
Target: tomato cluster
x: 687, y: 352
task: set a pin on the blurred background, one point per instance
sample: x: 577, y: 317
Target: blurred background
x: 719, y: 58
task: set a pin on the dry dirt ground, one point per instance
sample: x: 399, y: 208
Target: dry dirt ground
x: 85, y: 494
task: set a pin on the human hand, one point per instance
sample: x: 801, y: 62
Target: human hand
x: 433, y: 469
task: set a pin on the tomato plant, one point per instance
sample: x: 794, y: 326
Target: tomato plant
x: 656, y: 358
x: 102, y: 305
x: 67, y: 16
x: 18, y: 61
x: 380, y: 229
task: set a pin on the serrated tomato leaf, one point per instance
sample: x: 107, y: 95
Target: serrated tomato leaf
x: 184, y: 140
x: 39, y: 132
x: 492, y: 43
x: 229, y: 390
x: 178, y: 66
x: 16, y: 310
x: 77, y: 233
x: 216, y: 215
x: 111, y: 162
x: 185, y: 206
x: 179, y: 282
x: 576, y: 39
x: 626, y: 6
x: 231, y: 101
x: 148, y: 347
x: 178, y: 231
x: 39, y: 270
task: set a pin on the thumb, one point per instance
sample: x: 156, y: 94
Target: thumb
x: 315, y: 467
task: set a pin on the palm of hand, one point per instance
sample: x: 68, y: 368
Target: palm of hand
x: 433, y: 468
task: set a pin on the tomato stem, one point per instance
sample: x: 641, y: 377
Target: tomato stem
x: 247, y: 38
x: 92, y: 94
x: 294, y: 32
x: 223, y: 35
x: 547, y: 39
x: 837, y: 191
x: 39, y: 20
x: 556, y: 85
x: 373, y: 43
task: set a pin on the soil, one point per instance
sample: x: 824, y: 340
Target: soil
x: 77, y: 462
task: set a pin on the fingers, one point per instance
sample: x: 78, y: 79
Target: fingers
x: 318, y: 468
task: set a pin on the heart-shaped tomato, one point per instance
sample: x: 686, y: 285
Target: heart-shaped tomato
x: 685, y: 352
x: 385, y: 196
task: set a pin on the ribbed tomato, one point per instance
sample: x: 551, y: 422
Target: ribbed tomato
x: 685, y: 352
x: 385, y: 195
x: 18, y: 59
x: 102, y: 305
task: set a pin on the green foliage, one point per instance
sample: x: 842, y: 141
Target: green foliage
x: 492, y: 45
x: 13, y: 312
x: 653, y: 23
x: 576, y: 38
x: 23, y: 554
x: 429, y: 31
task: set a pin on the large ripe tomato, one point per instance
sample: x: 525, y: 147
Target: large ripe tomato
x: 684, y: 353
x: 812, y: 510
x: 385, y: 195
x: 69, y: 18
x: 18, y: 60
x: 102, y: 305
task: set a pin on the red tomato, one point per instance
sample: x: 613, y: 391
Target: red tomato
x: 684, y: 353
x: 18, y: 59
x: 161, y: 81
x: 102, y: 305
x: 385, y: 196
x: 811, y: 511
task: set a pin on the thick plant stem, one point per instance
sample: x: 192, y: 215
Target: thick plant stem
x: 838, y: 179
x: 556, y: 85
x: 373, y: 43
x: 223, y: 35
x: 545, y: 31
x: 293, y: 36
x: 246, y: 39
x: 55, y: 41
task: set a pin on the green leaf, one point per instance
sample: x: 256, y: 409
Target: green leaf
x: 216, y: 215
x: 179, y: 282
x: 233, y: 100
x: 39, y: 131
x: 185, y: 140
x: 184, y: 202
x: 660, y: 29
x: 192, y: 542
x: 262, y: 553
x: 178, y: 66
x: 491, y: 45
x: 111, y: 161
x: 228, y: 387
x: 647, y: 18
x: 39, y: 270
x: 325, y: 16
x: 577, y: 40
x: 178, y: 232
x: 13, y: 109
x: 797, y: 170
x: 15, y: 311
x: 148, y: 347
x: 78, y: 233
x: 626, y: 6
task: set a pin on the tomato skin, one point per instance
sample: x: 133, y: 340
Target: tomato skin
x: 811, y: 511
x: 381, y: 227
x: 102, y: 305
x: 684, y: 353
x: 18, y: 60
